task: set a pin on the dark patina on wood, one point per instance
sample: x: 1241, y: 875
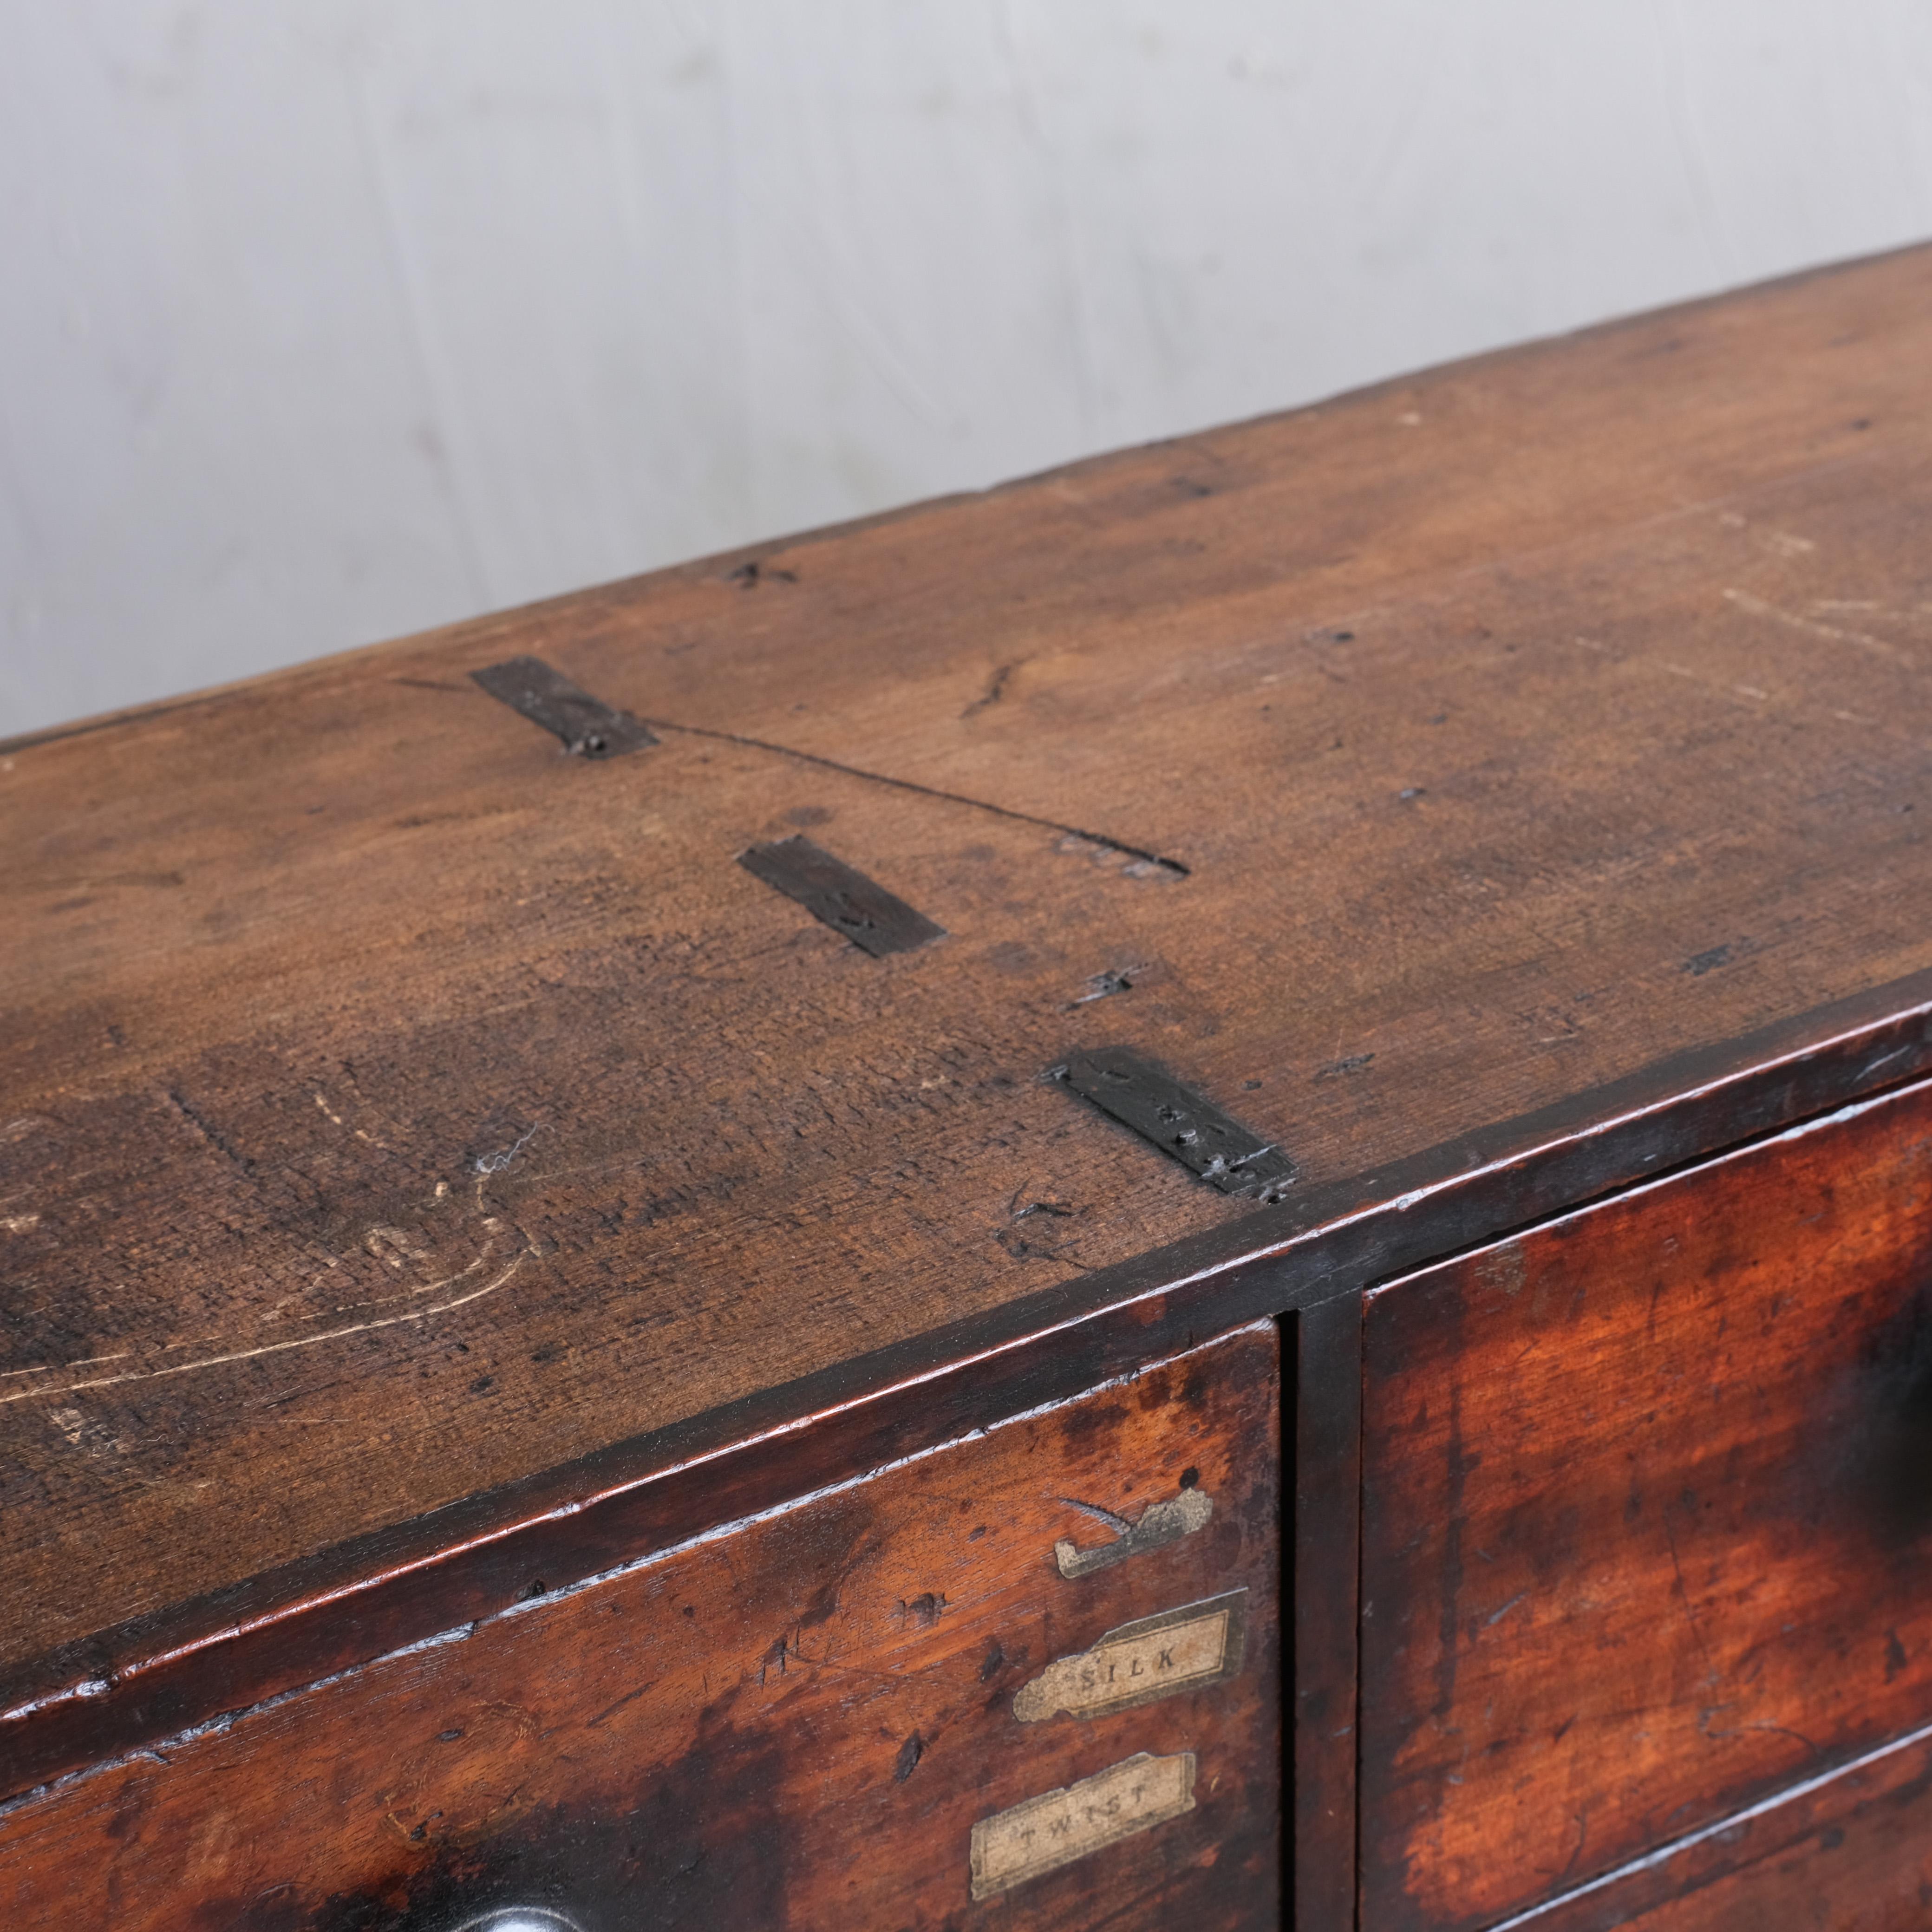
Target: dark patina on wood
x: 1647, y: 1529
x: 406, y: 939
x: 803, y: 1721
x: 429, y: 1181
x: 154, y: 1675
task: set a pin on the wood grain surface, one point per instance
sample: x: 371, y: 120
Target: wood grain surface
x: 155, y: 1675
x: 395, y: 1106
x: 1850, y: 1852
x: 1646, y: 1532
x: 795, y: 1723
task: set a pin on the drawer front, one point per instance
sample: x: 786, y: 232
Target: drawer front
x: 1647, y: 1517
x: 1031, y: 1679
x: 1850, y: 1853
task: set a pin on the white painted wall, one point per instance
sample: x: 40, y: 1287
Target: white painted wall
x: 325, y: 319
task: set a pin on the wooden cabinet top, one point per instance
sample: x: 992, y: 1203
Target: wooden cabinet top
x: 398, y: 1107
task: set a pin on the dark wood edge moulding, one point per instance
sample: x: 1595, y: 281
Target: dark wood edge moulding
x: 152, y: 1678
x: 1321, y: 1598
x: 1769, y: 1832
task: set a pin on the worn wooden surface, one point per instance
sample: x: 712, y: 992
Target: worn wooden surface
x: 395, y: 1106
x: 795, y: 1723
x: 1848, y: 1852
x: 154, y: 1676
x: 1646, y: 1522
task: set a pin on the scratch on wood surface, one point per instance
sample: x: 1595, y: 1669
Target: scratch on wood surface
x: 276, y: 1348
x: 1836, y: 633
x: 384, y: 1242
x: 322, y: 1102
x: 495, y: 1163
x: 1916, y: 613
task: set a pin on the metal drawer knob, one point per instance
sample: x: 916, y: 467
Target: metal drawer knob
x: 516, y: 1919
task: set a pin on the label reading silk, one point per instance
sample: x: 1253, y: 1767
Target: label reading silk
x: 1180, y: 1650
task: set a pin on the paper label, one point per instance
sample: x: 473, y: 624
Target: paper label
x: 1181, y: 1650
x: 1059, y: 1826
x: 1160, y: 1524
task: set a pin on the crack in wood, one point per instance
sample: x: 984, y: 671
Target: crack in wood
x: 1142, y: 862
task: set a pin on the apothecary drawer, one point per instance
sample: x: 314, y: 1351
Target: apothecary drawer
x: 1647, y: 1518
x: 1031, y: 1678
